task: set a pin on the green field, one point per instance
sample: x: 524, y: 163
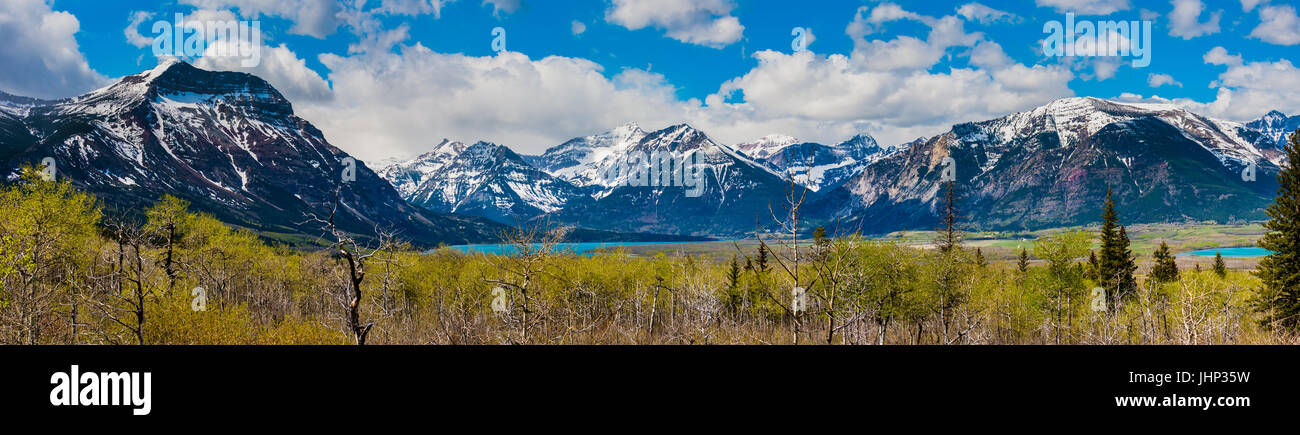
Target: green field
x: 1005, y: 246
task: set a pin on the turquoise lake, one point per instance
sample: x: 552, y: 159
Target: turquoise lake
x: 1247, y: 252
x: 583, y: 249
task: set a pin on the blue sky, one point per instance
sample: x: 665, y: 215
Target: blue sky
x: 390, y: 78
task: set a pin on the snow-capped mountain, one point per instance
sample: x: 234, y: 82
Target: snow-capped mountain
x: 228, y: 142
x: 814, y: 165
x: 482, y: 179
x: 766, y: 146
x: 581, y: 161
x: 1051, y: 166
x: 736, y: 194
x: 1276, y: 126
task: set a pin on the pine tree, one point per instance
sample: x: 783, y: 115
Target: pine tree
x: 1220, y: 269
x: 1279, y: 299
x: 1092, y: 267
x: 762, y: 257
x: 979, y: 259
x: 1116, y: 265
x: 1163, y: 268
x: 1024, y: 260
x: 733, y: 274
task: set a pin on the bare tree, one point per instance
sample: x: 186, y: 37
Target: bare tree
x: 356, y: 256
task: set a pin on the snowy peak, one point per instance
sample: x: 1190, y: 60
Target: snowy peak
x: 483, y: 179
x: 1275, y: 127
x: 766, y: 146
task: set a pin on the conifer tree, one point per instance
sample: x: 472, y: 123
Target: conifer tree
x: 1220, y: 269
x: 1116, y: 265
x: 1092, y: 267
x: 733, y: 274
x: 1279, y: 299
x: 979, y: 259
x: 762, y: 257
x: 1023, y: 265
x: 1163, y: 268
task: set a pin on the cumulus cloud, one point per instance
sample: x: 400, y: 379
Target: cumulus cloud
x: 1086, y: 7
x: 503, y: 6
x: 398, y: 103
x: 1157, y: 80
x: 132, y: 30
x: 40, y: 53
x: 1220, y: 56
x: 1244, y: 91
x: 279, y: 66
x: 1278, y: 25
x: 1184, y: 20
x: 316, y: 18
x: 702, y: 22
x: 985, y: 15
x: 578, y: 27
x: 1249, y: 5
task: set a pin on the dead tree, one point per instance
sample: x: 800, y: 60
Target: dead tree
x: 356, y: 256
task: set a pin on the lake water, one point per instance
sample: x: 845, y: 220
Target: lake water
x: 1247, y: 252
x: 583, y: 249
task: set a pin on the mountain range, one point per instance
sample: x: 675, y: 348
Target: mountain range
x: 231, y: 145
x: 1045, y: 167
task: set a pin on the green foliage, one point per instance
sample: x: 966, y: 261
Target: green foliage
x: 1279, y: 298
x: 1164, y: 269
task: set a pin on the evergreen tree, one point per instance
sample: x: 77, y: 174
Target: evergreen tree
x: 733, y: 274
x: 1220, y: 269
x: 979, y: 259
x: 1092, y: 267
x: 1163, y: 268
x: 762, y: 257
x: 1279, y: 299
x: 1116, y: 265
x: 1024, y: 260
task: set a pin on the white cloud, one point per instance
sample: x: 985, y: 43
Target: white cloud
x: 503, y: 6
x: 1278, y: 25
x: 1184, y: 20
x: 412, y: 7
x: 701, y: 22
x: 985, y: 15
x: 1220, y: 56
x: 1086, y: 7
x: 1157, y: 80
x: 40, y: 53
x: 316, y: 18
x: 1249, y: 5
x: 1245, y: 90
x: 399, y: 103
x: 578, y: 27
x: 132, y: 31
x: 279, y: 66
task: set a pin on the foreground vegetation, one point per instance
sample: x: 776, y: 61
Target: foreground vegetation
x: 71, y: 275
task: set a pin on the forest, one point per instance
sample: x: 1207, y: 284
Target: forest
x: 73, y: 275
